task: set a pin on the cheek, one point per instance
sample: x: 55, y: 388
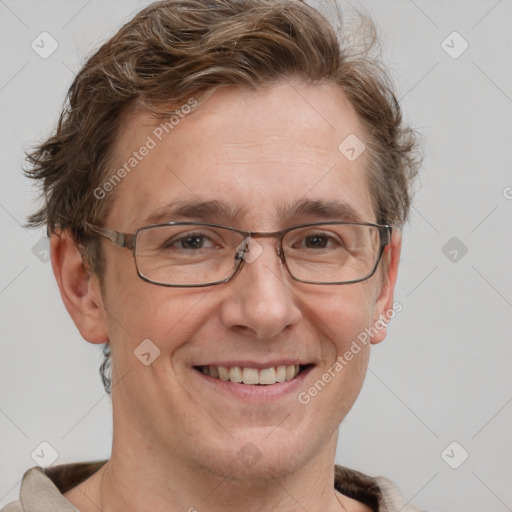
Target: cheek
x: 338, y: 382
x: 341, y: 315
x: 138, y: 311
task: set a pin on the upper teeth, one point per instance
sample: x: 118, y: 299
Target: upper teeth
x: 253, y: 375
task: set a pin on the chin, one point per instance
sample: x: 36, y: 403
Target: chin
x: 259, y: 456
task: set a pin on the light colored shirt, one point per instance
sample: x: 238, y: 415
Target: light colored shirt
x: 42, y: 489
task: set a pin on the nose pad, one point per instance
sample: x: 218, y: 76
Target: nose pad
x: 280, y: 252
x: 241, y: 250
x: 248, y: 250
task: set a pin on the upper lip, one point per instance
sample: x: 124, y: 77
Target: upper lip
x: 254, y: 364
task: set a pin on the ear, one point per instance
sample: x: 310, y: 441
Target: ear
x: 384, y: 308
x: 79, y: 288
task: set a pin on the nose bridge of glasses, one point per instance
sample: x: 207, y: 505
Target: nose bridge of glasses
x: 250, y: 248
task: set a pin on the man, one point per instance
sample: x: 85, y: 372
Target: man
x: 224, y: 195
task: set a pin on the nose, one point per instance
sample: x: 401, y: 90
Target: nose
x: 259, y: 300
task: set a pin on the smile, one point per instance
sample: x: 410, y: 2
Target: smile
x: 253, y: 376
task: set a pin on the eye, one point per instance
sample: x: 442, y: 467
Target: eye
x: 316, y: 241
x: 189, y: 241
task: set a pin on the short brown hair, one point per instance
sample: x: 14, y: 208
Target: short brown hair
x: 177, y: 49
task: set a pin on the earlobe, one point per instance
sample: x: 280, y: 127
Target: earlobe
x: 79, y: 288
x: 384, y: 306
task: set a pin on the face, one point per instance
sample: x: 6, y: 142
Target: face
x: 261, y: 154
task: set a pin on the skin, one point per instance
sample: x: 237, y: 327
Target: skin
x: 176, y: 434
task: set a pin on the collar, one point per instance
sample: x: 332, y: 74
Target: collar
x: 42, y: 489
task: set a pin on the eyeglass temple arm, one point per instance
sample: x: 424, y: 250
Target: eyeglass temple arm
x: 389, y: 233
x: 117, y: 238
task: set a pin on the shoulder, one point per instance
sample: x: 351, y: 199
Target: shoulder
x: 37, y: 493
x: 379, y: 493
x: 15, y: 506
x: 392, y: 499
x: 41, y: 489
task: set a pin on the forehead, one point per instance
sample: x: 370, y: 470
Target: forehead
x: 258, y: 154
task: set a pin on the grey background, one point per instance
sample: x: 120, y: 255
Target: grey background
x: 442, y: 375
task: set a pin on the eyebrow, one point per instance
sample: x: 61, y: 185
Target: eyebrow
x: 321, y: 209
x: 196, y: 210
x: 220, y: 211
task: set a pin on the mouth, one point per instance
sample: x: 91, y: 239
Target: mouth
x: 254, y: 376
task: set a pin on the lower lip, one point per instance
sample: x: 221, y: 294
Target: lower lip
x: 256, y: 392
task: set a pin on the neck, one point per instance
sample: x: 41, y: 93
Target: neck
x: 146, y: 478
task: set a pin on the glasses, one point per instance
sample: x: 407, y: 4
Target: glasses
x: 184, y: 254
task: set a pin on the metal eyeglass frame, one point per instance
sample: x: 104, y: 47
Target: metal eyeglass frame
x: 129, y: 241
